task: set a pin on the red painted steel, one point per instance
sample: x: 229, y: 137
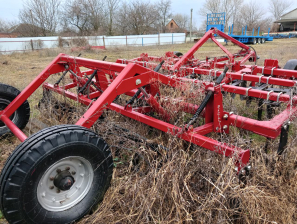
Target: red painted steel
x: 126, y: 76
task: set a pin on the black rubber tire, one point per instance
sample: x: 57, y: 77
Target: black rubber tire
x: 29, y: 161
x: 255, y: 41
x: 291, y: 64
x: 177, y: 53
x: 21, y: 116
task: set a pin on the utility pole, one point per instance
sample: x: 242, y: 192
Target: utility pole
x: 191, y: 25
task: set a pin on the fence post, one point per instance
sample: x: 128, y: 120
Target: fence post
x: 172, y: 38
x: 103, y: 41
x: 126, y: 41
x: 32, y: 47
x: 185, y: 38
x: 159, y: 41
x: 142, y: 41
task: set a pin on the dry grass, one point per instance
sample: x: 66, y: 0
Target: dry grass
x: 186, y: 184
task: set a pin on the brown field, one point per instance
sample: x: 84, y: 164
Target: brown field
x: 188, y: 184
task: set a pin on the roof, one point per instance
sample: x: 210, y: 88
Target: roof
x: 286, y: 20
x: 288, y: 12
x: 169, y: 20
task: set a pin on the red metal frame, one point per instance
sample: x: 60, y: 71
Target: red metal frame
x: 126, y: 76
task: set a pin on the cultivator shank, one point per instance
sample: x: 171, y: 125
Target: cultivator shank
x: 98, y: 84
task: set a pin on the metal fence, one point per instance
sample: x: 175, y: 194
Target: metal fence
x: 9, y: 45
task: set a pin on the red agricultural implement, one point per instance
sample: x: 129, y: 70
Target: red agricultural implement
x: 59, y: 173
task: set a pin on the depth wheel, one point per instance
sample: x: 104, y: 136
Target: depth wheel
x: 21, y: 116
x: 178, y: 54
x: 55, y: 176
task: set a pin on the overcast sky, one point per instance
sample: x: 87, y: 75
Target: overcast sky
x: 9, y: 9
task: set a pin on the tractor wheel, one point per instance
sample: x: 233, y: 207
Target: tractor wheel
x: 291, y: 64
x: 177, y: 53
x: 21, y: 116
x: 55, y: 176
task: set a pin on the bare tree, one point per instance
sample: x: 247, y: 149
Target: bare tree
x: 41, y: 16
x: 122, y: 20
x: 278, y: 7
x: 84, y: 16
x: 164, y: 7
x: 182, y: 20
x: 138, y: 17
x: 6, y: 25
x: 250, y: 15
x: 112, y: 6
x: 96, y: 13
x: 230, y: 7
x: 75, y: 15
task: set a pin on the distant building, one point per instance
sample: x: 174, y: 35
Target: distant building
x: 288, y: 21
x: 8, y: 35
x: 172, y: 26
x: 28, y: 30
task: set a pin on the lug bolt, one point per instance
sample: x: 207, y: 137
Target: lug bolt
x: 58, y: 171
x: 225, y: 116
x: 52, y: 187
x: 225, y: 127
x: 73, y: 172
x: 58, y: 191
x: 52, y: 178
x: 67, y: 168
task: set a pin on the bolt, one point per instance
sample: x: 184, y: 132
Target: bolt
x: 225, y: 116
x: 51, y: 187
x: 43, y: 195
x: 79, y: 164
x: 217, y: 128
x: 67, y: 168
x: 58, y: 171
x: 52, y: 178
x: 225, y: 127
x: 73, y: 172
x: 231, y: 113
x: 138, y: 81
x: 58, y: 191
x: 53, y: 199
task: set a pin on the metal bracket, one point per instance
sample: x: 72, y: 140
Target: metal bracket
x: 268, y: 79
x: 242, y: 75
x: 269, y: 94
x: 260, y: 78
x: 272, y: 70
x: 247, y: 91
x: 278, y: 95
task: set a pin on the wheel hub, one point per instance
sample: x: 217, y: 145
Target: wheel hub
x: 64, y: 180
x: 65, y: 183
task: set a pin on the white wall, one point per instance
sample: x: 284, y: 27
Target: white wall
x: 8, y: 45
